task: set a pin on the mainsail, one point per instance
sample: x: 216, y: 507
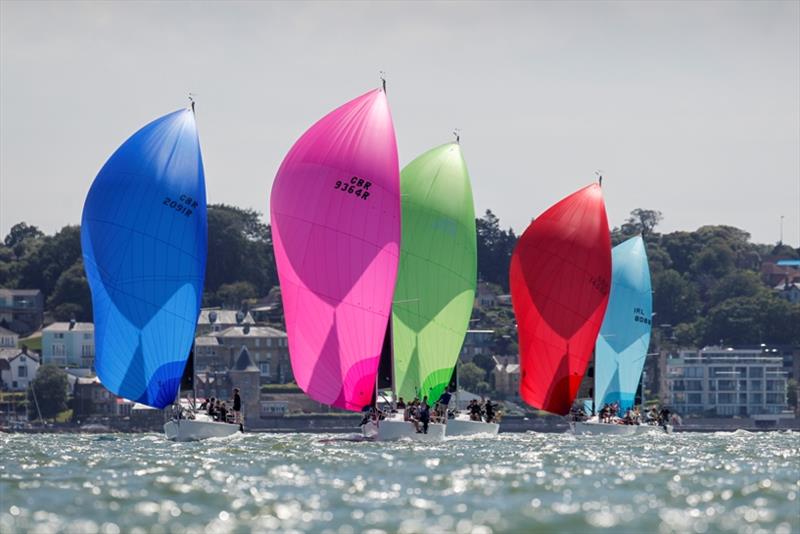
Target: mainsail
x: 143, y: 236
x: 560, y: 276
x: 335, y: 213
x: 625, y: 335
x: 436, y: 279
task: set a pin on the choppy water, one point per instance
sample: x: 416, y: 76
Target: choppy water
x: 737, y: 482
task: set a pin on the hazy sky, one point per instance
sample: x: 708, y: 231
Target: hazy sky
x: 690, y: 108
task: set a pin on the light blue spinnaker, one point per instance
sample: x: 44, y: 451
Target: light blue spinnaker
x: 143, y: 236
x: 625, y: 335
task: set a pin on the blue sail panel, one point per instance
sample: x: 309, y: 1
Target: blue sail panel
x: 143, y: 235
x: 624, y: 338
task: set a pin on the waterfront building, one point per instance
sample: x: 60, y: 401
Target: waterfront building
x: 18, y: 368
x: 21, y: 310
x: 476, y: 342
x: 269, y: 348
x: 789, y: 291
x: 92, y: 399
x: 719, y: 381
x: 8, y: 339
x: 506, y: 375
x: 69, y: 345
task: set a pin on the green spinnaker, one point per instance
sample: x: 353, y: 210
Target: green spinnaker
x: 435, y: 286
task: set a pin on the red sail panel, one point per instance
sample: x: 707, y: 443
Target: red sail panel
x: 560, y: 279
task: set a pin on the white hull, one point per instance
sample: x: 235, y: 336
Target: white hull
x: 594, y: 427
x: 395, y: 428
x: 465, y: 427
x: 195, y: 430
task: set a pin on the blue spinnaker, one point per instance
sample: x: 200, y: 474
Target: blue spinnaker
x: 624, y: 338
x: 143, y: 236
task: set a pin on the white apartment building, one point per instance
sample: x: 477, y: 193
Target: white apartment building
x: 726, y: 382
x: 69, y: 345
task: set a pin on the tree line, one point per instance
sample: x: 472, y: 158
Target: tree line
x: 707, y: 285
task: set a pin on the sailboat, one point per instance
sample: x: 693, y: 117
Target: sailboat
x: 335, y: 214
x: 624, y: 338
x: 143, y: 238
x: 560, y: 279
x: 436, y: 279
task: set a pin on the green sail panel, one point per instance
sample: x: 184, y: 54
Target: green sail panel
x: 436, y: 278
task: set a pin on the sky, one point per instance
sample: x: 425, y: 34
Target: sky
x: 690, y: 108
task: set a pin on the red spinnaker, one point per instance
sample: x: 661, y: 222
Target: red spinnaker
x: 560, y: 279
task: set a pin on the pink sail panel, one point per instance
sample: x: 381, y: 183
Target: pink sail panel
x: 335, y: 214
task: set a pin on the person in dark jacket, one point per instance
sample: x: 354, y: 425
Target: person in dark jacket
x: 424, y: 414
x: 237, y: 406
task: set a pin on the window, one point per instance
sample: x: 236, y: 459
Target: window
x: 756, y: 398
x: 725, y: 398
x: 694, y: 385
x: 86, y: 351
x: 269, y: 342
x: 726, y: 385
x: 712, y: 385
x: 774, y: 398
x: 264, y: 368
x: 258, y: 342
x: 58, y: 349
x: 694, y: 372
x: 694, y: 398
x: 756, y: 372
x: 87, y: 336
x: 774, y: 385
x: 58, y: 336
x: 742, y: 385
x: 721, y: 372
x: 726, y: 410
x: 22, y: 371
x: 757, y: 385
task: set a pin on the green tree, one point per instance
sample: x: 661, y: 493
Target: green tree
x: 470, y: 375
x: 21, y: 232
x: 739, y: 283
x: 71, y: 297
x: 231, y: 295
x: 239, y: 249
x: 641, y: 221
x: 50, y: 389
x: 764, y: 318
x: 43, y: 265
x: 675, y: 300
x: 494, y: 249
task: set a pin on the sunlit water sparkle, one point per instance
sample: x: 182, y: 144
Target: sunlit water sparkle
x: 732, y: 482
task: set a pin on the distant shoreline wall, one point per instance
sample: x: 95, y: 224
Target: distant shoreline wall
x: 349, y: 423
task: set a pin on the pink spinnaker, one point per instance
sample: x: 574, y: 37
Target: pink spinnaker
x: 335, y: 215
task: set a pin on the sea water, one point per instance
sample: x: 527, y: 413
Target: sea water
x: 686, y: 482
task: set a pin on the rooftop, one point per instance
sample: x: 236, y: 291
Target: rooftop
x: 206, y: 341
x: 253, y: 331
x: 223, y: 317
x: 11, y: 354
x: 67, y: 327
x: 7, y: 332
x: 244, y: 362
x: 20, y: 292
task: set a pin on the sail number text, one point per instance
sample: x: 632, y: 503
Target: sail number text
x: 185, y: 205
x: 355, y: 186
